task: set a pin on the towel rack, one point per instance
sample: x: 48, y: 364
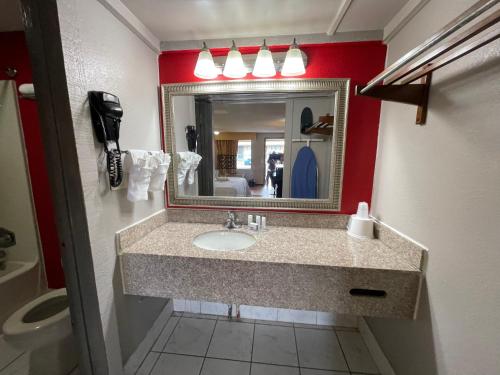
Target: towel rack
x: 405, y: 71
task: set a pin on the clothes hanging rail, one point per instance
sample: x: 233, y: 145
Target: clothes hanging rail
x: 433, y: 56
x: 308, y: 141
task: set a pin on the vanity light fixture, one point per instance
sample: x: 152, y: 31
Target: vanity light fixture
x: 205, y: 67
x: 234, y: 66
x: 294, y: 63
x: 216, y: 132
x: 264, y: 64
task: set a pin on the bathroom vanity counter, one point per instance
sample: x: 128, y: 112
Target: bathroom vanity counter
x: 302, y: 246
x: 302, y: 268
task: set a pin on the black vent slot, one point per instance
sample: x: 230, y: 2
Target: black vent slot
x: 368, y: 293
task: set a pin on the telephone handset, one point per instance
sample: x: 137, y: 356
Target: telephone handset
x: 106, y: 114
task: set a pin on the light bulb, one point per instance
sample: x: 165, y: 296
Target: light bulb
x: 205, y: 67
x: 294, y: 63
x: 234, y: 67
x: 264, y: 64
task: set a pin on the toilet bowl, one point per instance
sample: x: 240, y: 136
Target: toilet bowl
x: 43, y: 327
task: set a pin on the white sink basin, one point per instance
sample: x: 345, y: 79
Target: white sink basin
x: 224, y: 240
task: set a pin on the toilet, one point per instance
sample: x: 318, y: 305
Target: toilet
x: 43, y: 327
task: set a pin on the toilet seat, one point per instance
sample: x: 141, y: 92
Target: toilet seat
x: 36, y: 333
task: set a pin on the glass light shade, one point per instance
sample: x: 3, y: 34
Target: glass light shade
x: 234, y: 67
x: 294, y: 63
x: 264, y: 64
x: 205, y: 67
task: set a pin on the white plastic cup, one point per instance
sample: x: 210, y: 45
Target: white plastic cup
x: 362, y: 210
x: 360, y: 225
x: 360, y: 228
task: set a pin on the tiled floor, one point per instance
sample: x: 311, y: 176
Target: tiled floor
x: 14, y: 362
x: 193, y: 344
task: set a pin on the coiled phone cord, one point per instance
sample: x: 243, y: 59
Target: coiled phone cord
x: 115, y: 168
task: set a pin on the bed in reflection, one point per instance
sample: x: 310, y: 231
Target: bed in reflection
x: 231, y: 187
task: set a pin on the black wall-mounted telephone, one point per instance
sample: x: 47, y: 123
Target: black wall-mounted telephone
x: 106, y: 114
x: 191, y: 138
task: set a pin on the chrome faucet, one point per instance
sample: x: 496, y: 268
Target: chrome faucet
x: 232, y: 221
x: 7, y: 239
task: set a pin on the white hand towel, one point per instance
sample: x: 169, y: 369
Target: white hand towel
x: 160, y: 173
x: 186, y: 166
x: 141, y: 166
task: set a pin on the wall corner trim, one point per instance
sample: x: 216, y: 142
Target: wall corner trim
x: 337, y: 20
x: 399, y: 233
x: 125, y: 16
x: 383, y: 364
x: 405, y: 14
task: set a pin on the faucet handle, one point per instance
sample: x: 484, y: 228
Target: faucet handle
x: 7, y: 238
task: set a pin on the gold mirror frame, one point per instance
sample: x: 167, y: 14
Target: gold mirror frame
x: 339, y: 86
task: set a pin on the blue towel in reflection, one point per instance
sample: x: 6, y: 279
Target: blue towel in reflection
x: 305, y: 174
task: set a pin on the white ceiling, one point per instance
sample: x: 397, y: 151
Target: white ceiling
x: 370, y: 14
x: 10, y: 16
x: 180, y: 20
x: 249, y: 117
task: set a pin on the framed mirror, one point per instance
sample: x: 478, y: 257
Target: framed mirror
x: 256, y: 143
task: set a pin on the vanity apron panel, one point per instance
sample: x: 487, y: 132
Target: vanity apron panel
x: 358, y: 291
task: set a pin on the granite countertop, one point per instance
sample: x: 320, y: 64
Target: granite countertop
x: 287, y: 245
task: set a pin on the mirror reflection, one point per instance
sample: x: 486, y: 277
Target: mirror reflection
x: 254, y: 145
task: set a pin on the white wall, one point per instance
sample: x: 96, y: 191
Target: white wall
x: 16, y: 204
x: 183, y: 115
x: 439, y: 184
x: 183, y: 108
x: 100, y: 53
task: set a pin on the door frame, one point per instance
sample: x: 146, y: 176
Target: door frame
x: 41, y: 25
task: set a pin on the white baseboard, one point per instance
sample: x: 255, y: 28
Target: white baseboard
x: 268, y: 313
x: 378, y: 355
x: 138, y: 356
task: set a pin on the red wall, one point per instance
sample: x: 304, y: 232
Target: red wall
x: 359, y: 61
x: 15, y: 54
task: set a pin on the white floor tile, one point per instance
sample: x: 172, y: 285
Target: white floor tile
x: 307, y: 371
x: 7, y: 354
x: 214, y: 366
x: 179, y: 304
x: 193, y: 306
x: 274, y: 345
x: 177, y: 364
x: 21, y: 366
x: 191, y: 336
x: 319, y: 349
x: 152, y: 335
x: 297, y: 316
x: 232, y: 340
x: 261, y: 369
x: 257, y: 312
x: 357, y: 354
x: 214, y: 308
x: 148, y: 364
x: 165, y: 334
x: 325, y: 318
